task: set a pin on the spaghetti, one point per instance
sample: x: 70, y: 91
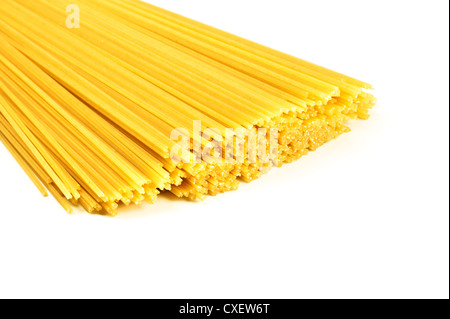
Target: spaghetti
x: 89, y: 112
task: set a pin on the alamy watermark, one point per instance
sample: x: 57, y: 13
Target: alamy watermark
x: 241, y: 145
x: 73, y: 19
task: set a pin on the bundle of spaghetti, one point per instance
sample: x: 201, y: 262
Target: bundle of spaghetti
x: 88, y: 112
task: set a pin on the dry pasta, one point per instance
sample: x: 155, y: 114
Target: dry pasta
x: 89, y: 111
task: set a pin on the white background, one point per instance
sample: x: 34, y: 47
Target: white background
x: 365, y: 216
